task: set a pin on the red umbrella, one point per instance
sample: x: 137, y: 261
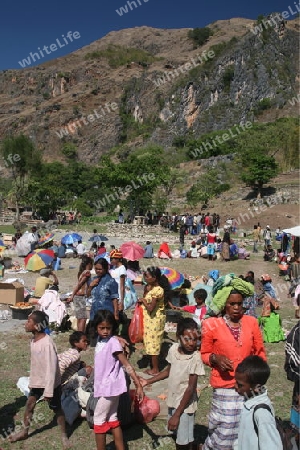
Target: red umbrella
x: 132, y: 251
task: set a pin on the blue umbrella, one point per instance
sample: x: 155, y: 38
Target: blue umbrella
x: 71, y: 238
x: 98, y: 238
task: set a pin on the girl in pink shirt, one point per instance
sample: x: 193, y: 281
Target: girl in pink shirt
x: 109, y: 381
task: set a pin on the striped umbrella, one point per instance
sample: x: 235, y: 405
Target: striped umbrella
x: 2, y: 246
x: 45, y: 239
x: 176, y: 279
x: 39, y: 259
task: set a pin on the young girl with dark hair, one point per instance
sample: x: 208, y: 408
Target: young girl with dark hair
x: 110, y: 381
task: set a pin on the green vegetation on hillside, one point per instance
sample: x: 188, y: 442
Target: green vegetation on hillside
x: 265, y: 103
x: 195, y: 74
x: 261, y: 152
x: 118, y: 56
x: 200, y: 35
x: 131, y: 183
x: 279, y: 138
x: 206, y: 188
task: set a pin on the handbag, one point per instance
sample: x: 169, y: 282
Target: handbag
x: 136, y: 327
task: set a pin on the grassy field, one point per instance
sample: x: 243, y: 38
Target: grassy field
x: 45, y: 433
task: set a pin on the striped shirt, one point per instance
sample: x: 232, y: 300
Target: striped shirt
x: 69, y: 364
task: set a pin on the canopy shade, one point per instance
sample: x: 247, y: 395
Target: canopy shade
x: 294, y: 231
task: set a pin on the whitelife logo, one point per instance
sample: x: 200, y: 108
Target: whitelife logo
x: 276, y: 19
x: 53, y: 47
x: 124, y: 9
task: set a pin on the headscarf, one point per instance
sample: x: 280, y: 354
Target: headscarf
x: 214, y: 274
x: 222, y: 289
x: 116, y: 254
x: 165, y: 248
x: 45, y: 272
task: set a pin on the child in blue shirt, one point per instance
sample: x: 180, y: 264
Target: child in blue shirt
x: 257, y: 429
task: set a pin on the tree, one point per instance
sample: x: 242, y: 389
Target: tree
x: 258, y: 169
x: 132, y: 183
x: 208, y: 187
x: 172, y: 179
x: 22, y: 159
x: 69, y: 150
x: 200, y: 35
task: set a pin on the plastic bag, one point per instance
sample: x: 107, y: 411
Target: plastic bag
x: 23, y: 385
x: 136, y: 327
x: 145, y: 411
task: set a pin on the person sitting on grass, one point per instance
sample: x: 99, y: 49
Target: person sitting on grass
x: 257, y: 429
x: 44, y: 378
x: 164, y: 251
x: 70, y: 360
x: 74, y: 373
x: 184, y: 366
x: 269, y: 253
x: 198, y: 310
x: 44, y: 281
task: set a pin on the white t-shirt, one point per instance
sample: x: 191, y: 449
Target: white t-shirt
x: 194, y: 252
x: 116, y: 273
x: 33, y: 237
x: 80, y: 249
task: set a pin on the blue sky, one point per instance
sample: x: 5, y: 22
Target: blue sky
x: 25, y: 26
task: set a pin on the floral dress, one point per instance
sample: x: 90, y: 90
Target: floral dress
x: 154, y: 322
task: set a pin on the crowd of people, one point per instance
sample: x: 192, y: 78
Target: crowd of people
x: 223, y: 332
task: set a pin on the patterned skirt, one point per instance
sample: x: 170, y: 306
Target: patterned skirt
x: 224, y: 419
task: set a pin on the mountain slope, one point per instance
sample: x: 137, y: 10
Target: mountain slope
x: 115, y: 79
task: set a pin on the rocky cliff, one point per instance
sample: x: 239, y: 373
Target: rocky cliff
x: 143, y: 85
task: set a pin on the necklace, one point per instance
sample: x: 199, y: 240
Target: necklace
x: 235, y: 331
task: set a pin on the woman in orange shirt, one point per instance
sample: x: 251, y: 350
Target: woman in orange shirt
x: 226, y: 340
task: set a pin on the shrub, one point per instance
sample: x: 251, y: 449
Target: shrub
x: 119, y: 56
x: 69, y: 150
x: 265, y: 103
x: 228, y: 77
x: 200, y: 35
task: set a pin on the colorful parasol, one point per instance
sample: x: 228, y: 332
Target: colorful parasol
x: 39, y: 259
x: 176, y: 279
x: 45, y: 239
x: 2, y: 246
x: 71, y: 238
x: 132, y: 251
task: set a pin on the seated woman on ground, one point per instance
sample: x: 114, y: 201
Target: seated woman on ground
x: 269, y: 254
x: 233, y: 250
x: 164, y: 251
x: 193, y: 251
x: 270, y: 320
